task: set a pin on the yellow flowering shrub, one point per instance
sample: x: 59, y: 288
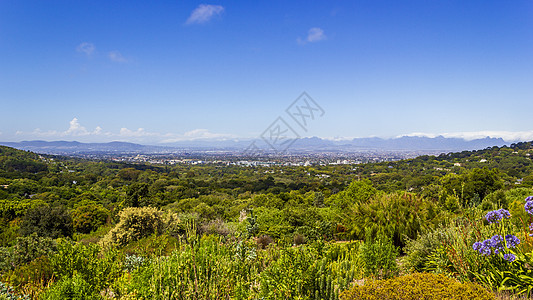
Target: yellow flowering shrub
x: 425, y: 286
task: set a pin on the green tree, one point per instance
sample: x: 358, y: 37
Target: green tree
x: 47, y: 221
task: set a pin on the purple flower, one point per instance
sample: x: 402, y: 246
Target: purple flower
x: 529, y: 198
x: 511, y: 241
x: 485, y: 251
x: 477, y: 246
x: 485, y: 248
x: 496, y: 243
x: 529, y: 207
x: 504, y: 213
x: 509, y: 257
x: 495, y: 216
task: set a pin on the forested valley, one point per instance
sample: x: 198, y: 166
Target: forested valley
x: 453, y: 226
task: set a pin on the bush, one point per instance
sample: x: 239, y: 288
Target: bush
x: 216, y: 226
x: 417, y: 286
x: 299, y: 239
x: 317, y: 271
x: 379, y: 257
x: 97, y: 268
x: 359, y: 191
x: 204, y: 269
x: 75, y: 288
x: 400, y: 215
x: 419, y: 251
x: 25, y: 250
x: 263, y: 241
x: 30, y: 278
x: 133, y: 262
x: 135, y: 223
x: 88, y: 218
x: 47, y: 221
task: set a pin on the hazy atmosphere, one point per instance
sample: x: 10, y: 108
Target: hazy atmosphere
x: 166, y: 71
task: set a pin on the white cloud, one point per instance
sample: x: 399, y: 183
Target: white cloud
x: 117, y: 57
x: 203, y: 13
x: 314, y: 34
x: 197, y: 134
x: 87, y: 48
x: 140, y: 132
x: 204, y: 134
x: 75, y: 128
x: 508, y: 136
x: 77, y: 131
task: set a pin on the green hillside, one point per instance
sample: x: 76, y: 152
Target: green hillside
x: 102, y: 229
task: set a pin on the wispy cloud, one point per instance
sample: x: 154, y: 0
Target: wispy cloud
x: 203, y: 13
x: 508, y: 136
x: 140, y: 132
x: 314, y: 34
x: 86, y: 48
x: 116, y: 56
x: 77, y: 131
x: 198, y: 134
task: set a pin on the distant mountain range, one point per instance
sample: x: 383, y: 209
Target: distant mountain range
x: 405, y: 143
x: 64, y: 147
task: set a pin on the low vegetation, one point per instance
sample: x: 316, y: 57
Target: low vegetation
x: 455, y: 226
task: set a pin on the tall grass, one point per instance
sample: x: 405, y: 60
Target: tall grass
x: 207, y: 268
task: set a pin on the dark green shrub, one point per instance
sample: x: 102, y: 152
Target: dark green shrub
x: 31, y: 247
x: 291, y: 276
x: 417, y: 286
x: 25, y: 250
x: 47, y: 221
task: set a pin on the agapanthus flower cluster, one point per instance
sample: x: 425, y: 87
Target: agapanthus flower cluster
x: 496, y: 245
x: 511, y: 241
x: 509, y: 257
x: 496, y: 215
x: 529, y: 205
x: 529, y: 209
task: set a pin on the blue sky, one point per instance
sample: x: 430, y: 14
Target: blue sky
x: 163, y: 71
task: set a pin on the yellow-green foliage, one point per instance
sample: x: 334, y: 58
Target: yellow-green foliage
x: 417, y: 286
x: 89, y: 217
x: 135, y: 223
